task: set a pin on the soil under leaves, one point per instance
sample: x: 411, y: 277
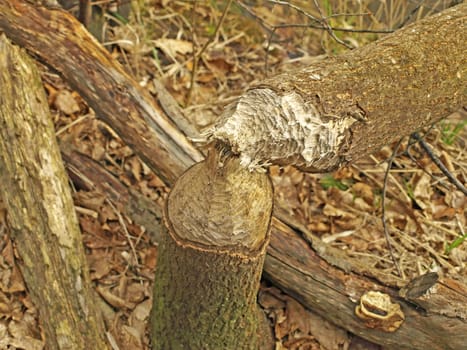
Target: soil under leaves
x: 161, y: 40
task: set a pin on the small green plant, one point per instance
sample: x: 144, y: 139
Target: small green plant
x: 119, y: 18
x: 456, y: 243
x: 409, y: 188
x: 329, y: 181
x: 449, y: 132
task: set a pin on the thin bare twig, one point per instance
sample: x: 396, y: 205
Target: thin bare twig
x: 452, y: 179
x: 336, y: 29
x: 316, y: 23
x: 298, y: 9
x: 125, y: 230
x: 410, y: 15
x: 328, y: 28
x: 383, y: 209
x: 197, y: 56
x: 322, y: 21
x: 266, y: 58
x: 85, y: 12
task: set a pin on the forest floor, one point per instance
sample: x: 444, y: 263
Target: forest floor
x: 206, y: 57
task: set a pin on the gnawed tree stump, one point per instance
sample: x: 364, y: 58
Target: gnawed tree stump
x: 41, y: 215
x: 210, y: 263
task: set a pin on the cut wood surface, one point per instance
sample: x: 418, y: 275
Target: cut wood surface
x: 210, y: 262
x: 16, y: 16
x: 41, y: 215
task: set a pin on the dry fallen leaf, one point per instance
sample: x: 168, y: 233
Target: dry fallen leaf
x: 113, y: 299
x: 66, y: 103
x: 172, y: 47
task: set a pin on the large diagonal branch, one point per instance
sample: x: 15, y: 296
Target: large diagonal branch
x: 60, y: 41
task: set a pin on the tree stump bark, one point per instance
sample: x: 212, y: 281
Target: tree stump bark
x: 210, y: 263
x: 41, y: 215
x: 321, y: 277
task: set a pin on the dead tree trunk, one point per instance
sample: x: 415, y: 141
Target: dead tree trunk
x: 41, y: 214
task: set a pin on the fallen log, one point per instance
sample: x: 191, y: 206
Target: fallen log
x: 348, y: 106
x: 25, y: 23
x: 437, y: 318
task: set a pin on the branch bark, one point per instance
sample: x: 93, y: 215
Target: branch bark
x: 434, y: 319
x: 61, y: 42
x: 348, y: 106
x: 41, y: 214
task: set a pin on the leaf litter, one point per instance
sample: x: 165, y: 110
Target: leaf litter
x: 425, y: 213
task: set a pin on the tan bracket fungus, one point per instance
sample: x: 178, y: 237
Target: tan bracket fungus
x: 379, y: 312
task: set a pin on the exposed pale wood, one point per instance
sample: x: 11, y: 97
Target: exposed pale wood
x: 41, y: 217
